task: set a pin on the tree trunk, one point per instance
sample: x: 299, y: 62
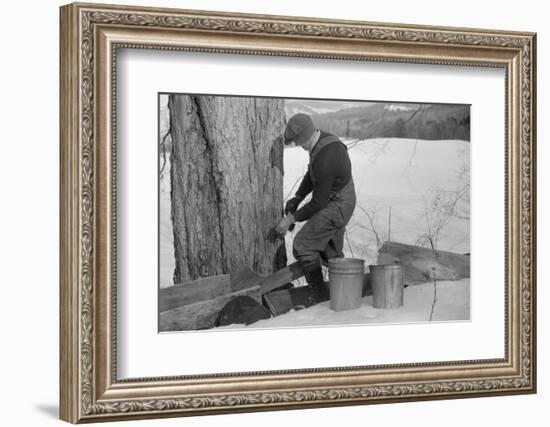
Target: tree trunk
x: 226, y: 184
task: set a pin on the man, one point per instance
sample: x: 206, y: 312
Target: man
x: 333, y: 199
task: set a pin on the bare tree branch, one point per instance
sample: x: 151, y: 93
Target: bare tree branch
x: 373, y: 228
x: 435, y: 294
x: 349, y: 244
x: 415, y: 112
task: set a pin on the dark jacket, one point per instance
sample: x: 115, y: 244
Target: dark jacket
x: 329, y: 171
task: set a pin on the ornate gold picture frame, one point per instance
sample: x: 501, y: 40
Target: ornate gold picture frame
x: 91, y: 34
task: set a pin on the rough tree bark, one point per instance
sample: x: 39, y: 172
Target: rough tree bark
x: 226, y: 184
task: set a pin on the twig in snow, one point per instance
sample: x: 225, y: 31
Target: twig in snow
x: 349, y: 244
x: 373, y: 228
x: 435, y: 294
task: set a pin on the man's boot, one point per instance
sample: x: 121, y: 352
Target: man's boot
x: 314, y: 277
x: 313, y: 273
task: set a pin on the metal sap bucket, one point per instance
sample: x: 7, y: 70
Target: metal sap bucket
x: 346, y: 283
x: 387, y: 285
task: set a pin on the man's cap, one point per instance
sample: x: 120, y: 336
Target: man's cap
x: 299, y: 129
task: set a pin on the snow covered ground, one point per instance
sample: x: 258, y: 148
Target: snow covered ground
x: 453, y: 303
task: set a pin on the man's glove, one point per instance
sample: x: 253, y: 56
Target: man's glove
x: 284, y: 224
x: 292, y: 205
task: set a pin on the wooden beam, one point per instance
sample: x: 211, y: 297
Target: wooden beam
x: 198, y: 290
x: 281, y: 277
x: 420, y: 264
x: 213, y: 286
x: 201, y: 314
x: 195, y: 305
x: 280, y: 302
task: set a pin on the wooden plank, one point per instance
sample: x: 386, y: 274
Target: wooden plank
x: 281, y: 277
x: 202, y: 314
x: 203, y: 289
x: 208, y: 288
x: 280, y: 302
x: 245, y: 278
x: 420, y: 264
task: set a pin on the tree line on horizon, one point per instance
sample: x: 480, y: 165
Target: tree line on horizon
x: 415, y: 121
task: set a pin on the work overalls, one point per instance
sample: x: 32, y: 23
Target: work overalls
x: 322, y: 236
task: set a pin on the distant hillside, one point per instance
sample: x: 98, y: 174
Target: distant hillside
x: 422, y: 121
x: 318, y: 106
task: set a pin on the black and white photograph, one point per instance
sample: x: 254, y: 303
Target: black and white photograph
x: 286, y: 212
